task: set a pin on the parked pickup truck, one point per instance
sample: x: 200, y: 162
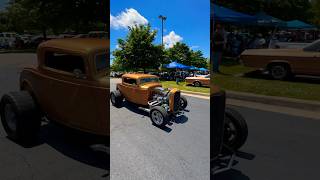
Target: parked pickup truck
x: 284, y: 63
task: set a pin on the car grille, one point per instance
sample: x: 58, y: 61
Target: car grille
x: 176, y: 104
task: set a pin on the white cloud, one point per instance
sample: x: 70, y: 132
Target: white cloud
x: 171, y: 39
x: 127, y: 18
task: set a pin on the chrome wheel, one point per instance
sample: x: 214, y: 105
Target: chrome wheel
x: 157, y: 117
x: 10, y: 117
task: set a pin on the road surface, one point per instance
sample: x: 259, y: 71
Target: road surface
x: 279, y: 146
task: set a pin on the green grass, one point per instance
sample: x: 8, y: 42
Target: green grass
x: 182, y: 86
x: 229, y: 80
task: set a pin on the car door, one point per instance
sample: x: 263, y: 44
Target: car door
x: 129, y: 89
x: 206, y: 80
x: 68, y: 93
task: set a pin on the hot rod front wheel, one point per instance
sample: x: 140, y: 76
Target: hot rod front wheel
x: 159, y: 116
x: 183, y: 102
x: 235, y: 129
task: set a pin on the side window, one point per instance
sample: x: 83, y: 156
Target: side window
x: 130, y: 81
x: 101, y: 62
x: 64, y: 62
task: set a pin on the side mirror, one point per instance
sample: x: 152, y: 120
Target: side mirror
x: 79, y: 74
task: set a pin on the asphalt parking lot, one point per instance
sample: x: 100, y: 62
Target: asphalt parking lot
x: 279, y: 146
x: 58, y: 155
x: 140, y: 150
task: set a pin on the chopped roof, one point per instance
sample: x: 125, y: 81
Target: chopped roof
x: 138, y: 76
x: 86, y: 45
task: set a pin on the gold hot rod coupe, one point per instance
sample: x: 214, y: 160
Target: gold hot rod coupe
x: 146, y: 91
x: 68, y: 86
x: 284, y: 63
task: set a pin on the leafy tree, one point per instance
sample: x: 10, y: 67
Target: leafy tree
x: 316, y: 11
x: 181, y: 53
x: 197, y: 59
x: 55, y: 16
x: 137, y: 51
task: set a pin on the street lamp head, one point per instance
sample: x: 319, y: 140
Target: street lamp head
x: 162, y: 17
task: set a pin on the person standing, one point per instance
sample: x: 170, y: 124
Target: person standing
x: 218, y: 44
x: 177, y: 76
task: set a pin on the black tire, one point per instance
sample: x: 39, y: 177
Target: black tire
x: 159, y: 112
x: 235, y: 129
x: 25, y: 117
x: 116, y: 98
x: 197, y: 84
x: 183, y: 102
x: 280, y: 71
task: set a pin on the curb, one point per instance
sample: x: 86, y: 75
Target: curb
x: 195, y: 93
x: 273, y: 100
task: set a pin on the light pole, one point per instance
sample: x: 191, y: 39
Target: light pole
x: 163, y: 18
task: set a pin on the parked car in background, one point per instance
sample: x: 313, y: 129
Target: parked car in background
x: 198, y: 80
x: 285, y: 63
x: 80, y: 36
x: 26, y: 38
x: 7, y: 39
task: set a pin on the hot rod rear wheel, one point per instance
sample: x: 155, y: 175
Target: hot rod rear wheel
x: 236, y: 129
x: 20, y: 117
x: 183, y: 102
x: 116, y: 98
x: 159, y: 116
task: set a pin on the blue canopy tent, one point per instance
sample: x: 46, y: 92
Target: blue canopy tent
x: 264, y: 19
x: 193, y: 68
x: 175, y: 65
x: 203, y: 69
x: 222, y: 14
x: 296, y: 24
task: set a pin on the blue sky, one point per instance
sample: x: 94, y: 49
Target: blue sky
x: 187, y: 21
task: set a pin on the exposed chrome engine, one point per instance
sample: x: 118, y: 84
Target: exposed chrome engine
x: 160, y: 97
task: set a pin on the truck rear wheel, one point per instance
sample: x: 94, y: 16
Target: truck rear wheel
x: 235, y: 129
x: 20, y: 117
x: 159, y: 116
x: 116, y: 98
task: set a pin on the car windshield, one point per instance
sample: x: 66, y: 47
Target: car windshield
x: 315, y: 46
x: 147, y: 80
x: 101, y: 62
